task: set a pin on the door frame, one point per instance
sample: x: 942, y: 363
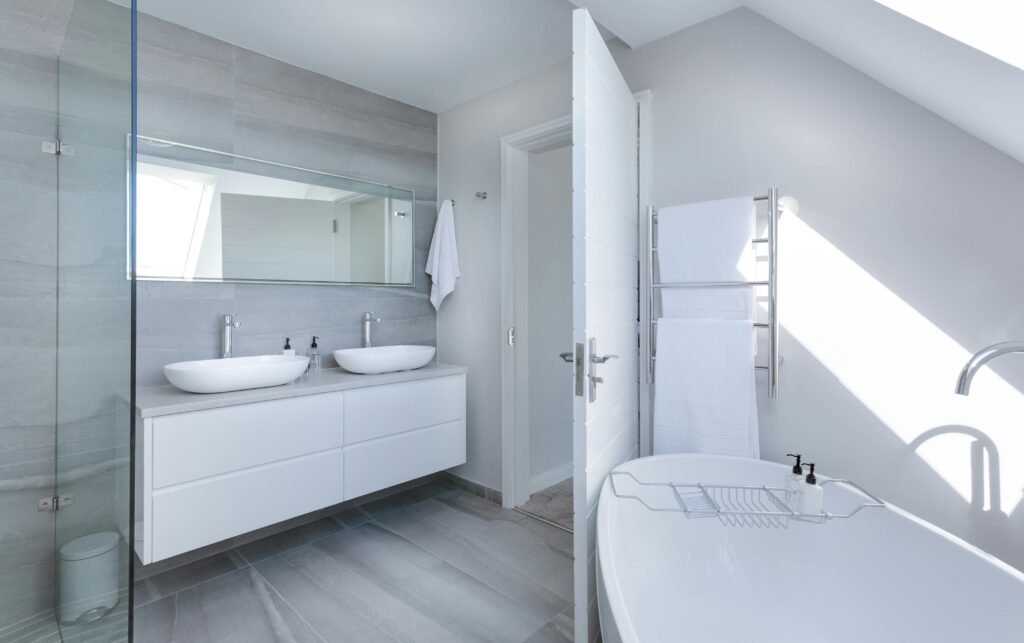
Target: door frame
x: 645, y: 200
x: 515, y: 185
x: 515, y: 153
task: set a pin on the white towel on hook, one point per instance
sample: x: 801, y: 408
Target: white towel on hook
x: 705, y: 398
x: 443, y: 258
x: 709, y: 241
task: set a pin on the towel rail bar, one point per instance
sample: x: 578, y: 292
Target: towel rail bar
x: 772, y: 283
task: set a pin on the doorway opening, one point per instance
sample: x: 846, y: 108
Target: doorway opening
x: 537, y: 364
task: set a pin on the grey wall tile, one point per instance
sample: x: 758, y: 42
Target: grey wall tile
x: 35, y: 26
x: 201, y: 91
x: 30, y: 37
x: 186, y: 86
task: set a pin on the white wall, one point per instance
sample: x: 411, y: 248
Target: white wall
x: 905, y: 256
x: 276, y: 238
x: 469, y: 322
x: 343, y: 241
x: 549, y: 327
x: 367, y: 240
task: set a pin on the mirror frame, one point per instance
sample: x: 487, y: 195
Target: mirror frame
x: 158, y: 142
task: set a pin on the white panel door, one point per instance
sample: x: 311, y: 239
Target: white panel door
x: 605, y: 294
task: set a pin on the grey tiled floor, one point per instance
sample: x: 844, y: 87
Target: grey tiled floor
x: 430, y: 564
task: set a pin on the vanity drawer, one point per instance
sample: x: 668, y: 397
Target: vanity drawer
x: 201, y: 513
x: 382, y: 463
x: 379, y: 411
x: 191, y: 446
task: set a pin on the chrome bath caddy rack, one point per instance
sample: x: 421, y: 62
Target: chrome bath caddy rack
x: 740, y: 506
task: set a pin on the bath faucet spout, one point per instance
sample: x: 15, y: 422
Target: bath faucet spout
x: 963, y: 383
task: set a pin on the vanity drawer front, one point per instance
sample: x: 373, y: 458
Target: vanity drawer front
x: 379, y: 464
x: 201, y: 513
x: 379, y: 411
x: 191, y: 446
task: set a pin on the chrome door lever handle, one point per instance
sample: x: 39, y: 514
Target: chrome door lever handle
x: 601, y: 359
x: 567, y: 357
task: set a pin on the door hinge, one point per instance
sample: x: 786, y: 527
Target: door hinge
x: 53, y: 503
x: 58, y: 148
x: 510, y: 336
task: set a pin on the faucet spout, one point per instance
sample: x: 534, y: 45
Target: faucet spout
x: 227, y: 337
x: 985, y: 355
x: 368, y: 319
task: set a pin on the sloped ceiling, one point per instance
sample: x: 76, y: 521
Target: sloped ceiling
x: 980, y: 94
x: 638, y: 22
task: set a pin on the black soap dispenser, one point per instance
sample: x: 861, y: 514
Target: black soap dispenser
x: 287, y: 350
x: 794, y: 481
x: 813, y: 496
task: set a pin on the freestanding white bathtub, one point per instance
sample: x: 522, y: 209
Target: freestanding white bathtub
x: 882, y: 575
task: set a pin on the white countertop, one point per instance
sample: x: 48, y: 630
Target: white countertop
x: 168, y: 400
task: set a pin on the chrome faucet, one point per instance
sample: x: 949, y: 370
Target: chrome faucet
x: 368, y: 319
x: 228, y: 334
x: 963, y: 383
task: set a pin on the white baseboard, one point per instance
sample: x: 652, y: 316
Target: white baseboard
x: 549, y: 478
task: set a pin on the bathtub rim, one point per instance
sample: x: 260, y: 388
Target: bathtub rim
x: 612, y: 610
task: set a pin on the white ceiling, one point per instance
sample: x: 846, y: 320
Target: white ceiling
x: 434, y: 54
x: 638, y: 22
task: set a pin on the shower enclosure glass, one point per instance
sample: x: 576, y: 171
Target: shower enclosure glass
x: 66, y: 319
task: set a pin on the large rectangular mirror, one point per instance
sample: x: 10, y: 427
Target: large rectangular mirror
x: 210, y: 216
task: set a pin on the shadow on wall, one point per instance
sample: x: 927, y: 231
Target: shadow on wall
x: 983, y: 455
x: 850, y: 441
x: 869, y: 395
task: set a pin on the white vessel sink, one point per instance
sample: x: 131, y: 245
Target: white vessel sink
x: 235, y: 373
x: 384, y: 359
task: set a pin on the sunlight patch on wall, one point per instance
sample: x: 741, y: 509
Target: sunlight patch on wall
x: 897, y: 363
x: 991, y: 26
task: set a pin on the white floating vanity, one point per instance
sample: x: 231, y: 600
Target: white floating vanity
x: 212, y: 467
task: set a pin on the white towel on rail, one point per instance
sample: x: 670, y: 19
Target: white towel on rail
x: 704, y: 376
x: 443, y: 258
x: 709, y: 241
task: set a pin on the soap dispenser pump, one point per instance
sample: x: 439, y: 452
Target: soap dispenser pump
x: 812, y: 496
x: 314, y: 355
x: 287, y: 350
x: 794, y: 481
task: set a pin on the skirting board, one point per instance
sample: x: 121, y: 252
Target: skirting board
x: 474, y: 488
x: 550, y: 478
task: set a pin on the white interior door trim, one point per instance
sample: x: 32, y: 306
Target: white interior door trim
x: 515, y: 435
x: 645, y: 198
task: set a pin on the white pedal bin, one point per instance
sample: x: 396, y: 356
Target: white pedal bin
x: 88, y: 576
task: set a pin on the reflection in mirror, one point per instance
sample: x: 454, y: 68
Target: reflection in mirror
x: 210, y: 216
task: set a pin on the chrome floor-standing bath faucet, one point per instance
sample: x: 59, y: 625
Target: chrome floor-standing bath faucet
x: 963, y: 383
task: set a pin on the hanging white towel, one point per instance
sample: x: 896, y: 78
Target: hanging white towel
x: 707, y: 241
x: 443, y: 258
x: 705, y: 398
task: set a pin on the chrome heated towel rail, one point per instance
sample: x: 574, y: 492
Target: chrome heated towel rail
x: 772, y: 284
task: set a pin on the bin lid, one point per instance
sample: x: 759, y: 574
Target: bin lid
x: 89, y: 546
